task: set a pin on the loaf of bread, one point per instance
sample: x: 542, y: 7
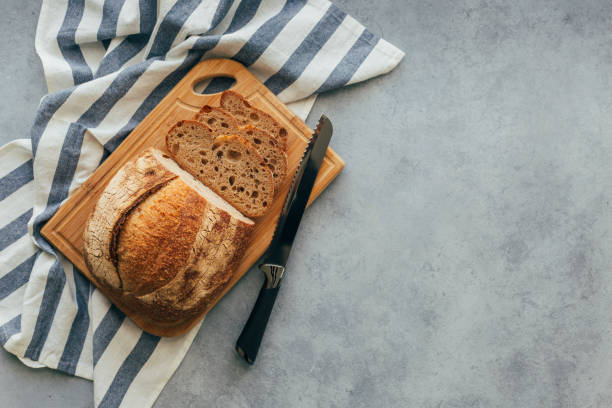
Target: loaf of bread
x: 162, y: 243
x: 169, y: 229
x: 227, y: 164
x: 223, y: 123
x: 246, y: 114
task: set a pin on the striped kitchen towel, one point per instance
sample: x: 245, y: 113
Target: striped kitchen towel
x: 107, y: 64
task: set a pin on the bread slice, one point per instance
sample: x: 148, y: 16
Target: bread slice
x: 222, y: 123
x: 219, y: 120
x: 227, y: 164
x: 270, y: 150
x: 161, y: 243
x: 189, y: 133
x: 246, y: 114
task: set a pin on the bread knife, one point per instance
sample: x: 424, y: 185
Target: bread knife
x: 275, y: 258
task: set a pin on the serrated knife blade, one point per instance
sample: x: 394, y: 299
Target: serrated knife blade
x: 275, y: 258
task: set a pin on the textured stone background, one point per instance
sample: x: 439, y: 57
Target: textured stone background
x: 462, y: 259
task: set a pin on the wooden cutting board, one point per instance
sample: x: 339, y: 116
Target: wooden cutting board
x: 65, y: 229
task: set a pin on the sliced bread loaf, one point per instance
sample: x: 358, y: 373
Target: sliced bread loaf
x: 162, y: 244
x: 223, y: 123
x: 227, y: 164
x: 246, y: 114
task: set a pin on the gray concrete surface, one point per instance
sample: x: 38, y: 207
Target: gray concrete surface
x: 22, y: 82
x: 462, y: 259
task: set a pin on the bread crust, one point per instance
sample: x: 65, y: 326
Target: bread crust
x: 174, y: 251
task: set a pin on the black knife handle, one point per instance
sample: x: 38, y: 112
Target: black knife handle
x: 250, y: 338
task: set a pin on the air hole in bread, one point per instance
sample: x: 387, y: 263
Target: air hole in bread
x: 206, y: 109
x: 271, y: 167
x: 215, y: 146
x: 211, y: 121
x: 265, y: 203
x: 254, y: 116
x: 220, y: 154
x: 231, y: 180
x: 256, y: 141
x: 216, y: 168
x: 254, y: 194
x: 250, y: 133
x: 179, y: 135
x: 233, y: 155
x: 223, y: 188
x: 204, y: 162
x: 203, y: 152
x: 282, y: 132
x: 225, y: 125
x: 241, y: 189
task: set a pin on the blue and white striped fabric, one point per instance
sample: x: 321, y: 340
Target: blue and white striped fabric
x: 107, y: 64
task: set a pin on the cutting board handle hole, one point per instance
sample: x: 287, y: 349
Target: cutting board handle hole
x: 213, y: 85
